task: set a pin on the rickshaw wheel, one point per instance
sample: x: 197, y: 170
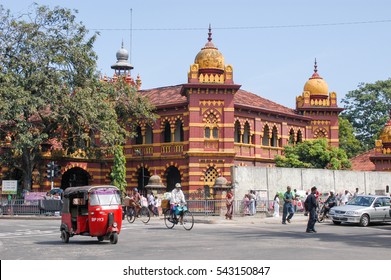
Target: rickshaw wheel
x: 64, y: 236
x: 144, y: 215
x: 114, y: 238
x: 101, y: 238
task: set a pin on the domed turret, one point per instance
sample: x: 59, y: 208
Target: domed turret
x: 385, y: 134
x: 316, y: 85
x: 210, y: 57
x: 122, y: 66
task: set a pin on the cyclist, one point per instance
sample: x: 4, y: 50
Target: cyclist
x: 177, y: 198
x: 135, y: 201
x: 330, y: 202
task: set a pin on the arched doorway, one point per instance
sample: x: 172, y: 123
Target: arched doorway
x: 75, y: 177
x: 173, y: 176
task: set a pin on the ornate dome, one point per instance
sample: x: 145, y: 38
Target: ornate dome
x: 122, y: 60
x: 122, y: 54
x: 316, y: 85
x: 155, y: 180
x: 210, y: 57
x: 385, y: 134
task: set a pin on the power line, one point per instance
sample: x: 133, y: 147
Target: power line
x: 248, y: 27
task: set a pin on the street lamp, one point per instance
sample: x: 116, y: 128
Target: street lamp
x: 140, y: 153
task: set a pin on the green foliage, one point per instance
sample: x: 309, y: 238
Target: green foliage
x: 118, y: 172
x: 347, y: 139
x: 367, y: 109
x: 313, y: 154
x: 50, y: 91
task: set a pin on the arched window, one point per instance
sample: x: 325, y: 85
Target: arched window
x: 178, y: 135
x: 299, y: 137
x: 215, y: 133
x: 237, y: 132
x: 167, y: 133
x: 148, y: 134
x: 207, y: 132
x: 139, y: 137
x: 291, y: 137
x: 246, y: 133
x: 265, y: 138
x: 274, y: 140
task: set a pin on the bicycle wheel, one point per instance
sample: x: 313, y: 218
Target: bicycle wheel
x: 130, y: 216
x: 168, y: 219
x: 188, y: 220
x: 144, y: 215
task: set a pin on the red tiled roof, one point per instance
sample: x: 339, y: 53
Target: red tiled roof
x: 246, y: 98
x: 165, y: 95
x: 362, y: 162
x: 171, y: 95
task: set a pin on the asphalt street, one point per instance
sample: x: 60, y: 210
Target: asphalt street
x: 212, y: 238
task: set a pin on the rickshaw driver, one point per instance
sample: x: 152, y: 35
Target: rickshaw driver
x: 177, y: 198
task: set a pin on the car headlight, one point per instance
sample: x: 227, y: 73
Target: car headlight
x: 332, y: 212
x: 352, y: 213
x: 115, y: 224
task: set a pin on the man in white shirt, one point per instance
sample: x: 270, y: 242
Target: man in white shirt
x: 346, y: 197
x: 177, y: 198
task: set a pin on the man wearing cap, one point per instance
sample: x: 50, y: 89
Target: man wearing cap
x: 311, y: 202
x: 177, y: 198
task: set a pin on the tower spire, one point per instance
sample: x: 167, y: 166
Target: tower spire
x: 210, y: 33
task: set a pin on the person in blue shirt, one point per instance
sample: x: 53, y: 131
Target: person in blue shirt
x: 288, y: 206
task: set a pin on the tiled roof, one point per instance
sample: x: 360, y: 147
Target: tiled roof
x: 246, y: 98
x: 171, y: 95
x: 362, y: 161
x: 165, y: 95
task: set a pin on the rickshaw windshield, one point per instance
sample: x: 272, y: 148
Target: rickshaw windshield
x: 104, y: 197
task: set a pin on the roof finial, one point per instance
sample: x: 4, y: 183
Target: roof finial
x: 122, y: 45
x: 315, y: 67
x: 210, y: 33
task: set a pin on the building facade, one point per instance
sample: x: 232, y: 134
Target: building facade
x: 205, y: 127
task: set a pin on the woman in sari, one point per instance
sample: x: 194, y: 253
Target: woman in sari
x: 276, y: 206
x: 229, y: 201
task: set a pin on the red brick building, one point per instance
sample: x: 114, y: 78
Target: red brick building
x: 208, y: 125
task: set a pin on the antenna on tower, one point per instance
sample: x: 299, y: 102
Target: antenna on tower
x: 131, y: 31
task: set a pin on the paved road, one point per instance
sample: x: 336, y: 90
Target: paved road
x: 213, y: 239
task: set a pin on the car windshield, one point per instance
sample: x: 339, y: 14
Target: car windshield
x: 105, y: 196
x: 361, y: 201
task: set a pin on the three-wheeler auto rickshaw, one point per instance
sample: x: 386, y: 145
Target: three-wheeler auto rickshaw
x: 94, y: 211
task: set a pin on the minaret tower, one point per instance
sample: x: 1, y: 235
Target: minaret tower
x: 317, y: 103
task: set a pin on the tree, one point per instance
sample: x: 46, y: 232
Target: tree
x: 313, y: 154
x: 50, y: 91
x: 367, y: 109
x: 347, y: 139
x: 118, y: 172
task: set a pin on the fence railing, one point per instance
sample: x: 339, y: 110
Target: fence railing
x: 33, y: 207
x: 197, y: 207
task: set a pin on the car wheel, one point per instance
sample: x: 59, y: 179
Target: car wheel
x: 336, y: 222
x: 364, y: 221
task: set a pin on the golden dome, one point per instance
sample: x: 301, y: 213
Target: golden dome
x: 210, y: 57
x: 316, y: 85
x: 385, y: 134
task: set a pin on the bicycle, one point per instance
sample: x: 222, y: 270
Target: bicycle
x: 187, y: 218
x: 143, y: 214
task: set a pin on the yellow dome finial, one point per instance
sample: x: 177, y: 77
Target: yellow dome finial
x: 316, y: 85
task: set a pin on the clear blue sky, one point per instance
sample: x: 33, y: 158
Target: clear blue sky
x: 268, y: 59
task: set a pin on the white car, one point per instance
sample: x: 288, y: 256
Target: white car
x: 363, y: 209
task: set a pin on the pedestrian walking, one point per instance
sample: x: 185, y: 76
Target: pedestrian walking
x: 287, y: 212
x: 229, y: 202
x: 312, y: 204
x: 276, y: 205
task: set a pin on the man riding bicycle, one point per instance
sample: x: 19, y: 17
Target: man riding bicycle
x: 177, y: 199
x: 133, y: 201
x: 330, y: 202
